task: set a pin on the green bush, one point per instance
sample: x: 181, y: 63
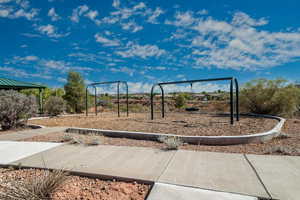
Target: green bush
x: 15, y: 109
x: 75, y: 92
x: 180, y: 100
x: 55, y: 105
x: 274, y: 97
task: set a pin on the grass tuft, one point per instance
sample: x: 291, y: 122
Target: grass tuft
x: 37, y: 188
x: 171, y: 142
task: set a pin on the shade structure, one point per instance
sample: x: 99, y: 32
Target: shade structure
x: 10, y: 84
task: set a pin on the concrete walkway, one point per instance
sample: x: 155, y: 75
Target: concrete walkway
x: 276, y: 177
x: 12, y: 151
x: 162, y: 191
x: 21, y: 135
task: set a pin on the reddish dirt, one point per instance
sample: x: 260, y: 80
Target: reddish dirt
x: 14, y: 130
x: 81, y: 188
x: 291, y: 144
x: 174, y: 123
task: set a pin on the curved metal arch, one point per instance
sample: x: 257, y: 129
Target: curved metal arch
x: 232, y: 102
x: 162, y: 101
x: 118, y: 95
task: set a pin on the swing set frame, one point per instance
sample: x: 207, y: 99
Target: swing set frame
x: 94, y: 85
x: 233, y: 81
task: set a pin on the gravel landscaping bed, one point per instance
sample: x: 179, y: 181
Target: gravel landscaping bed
x: 288, y: 144
x: 15, y: 130
x: 174, y: 123
x: 80, y: 188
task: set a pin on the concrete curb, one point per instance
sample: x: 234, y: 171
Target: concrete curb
x: 207, y: 140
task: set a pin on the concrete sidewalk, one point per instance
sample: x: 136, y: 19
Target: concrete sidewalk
x: 161, y: 191
x: 21, y: 135
x: 12, y: 151
x: 252, y: 175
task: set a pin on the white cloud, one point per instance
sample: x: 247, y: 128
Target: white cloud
x: 183, y: 19
x: 31, y: 58
x: 53, y: 64
x: 50, y: 31
x: 132, y: 26
x: 126, y: 16
x: 235, y: 44
x: 202, y: 12
x: 17, y: 9
x: 142, y: 51
x: 106, y: 41
x: 154, y: 15
x: 116, y: 3
x: 62, y: 66
x: 241, y: 18
x: 23, y: 60
x: 54, y: 16
x: 12, y: 71
x: 77, y: 12
x: 84, y: 10
x: 92, y: 14
x: 62, y: 80
x: 126, y: 70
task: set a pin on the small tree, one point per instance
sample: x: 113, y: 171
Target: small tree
x: 180, y: 101
x: 274, y: 97
x: 15, y: 109
x: 75, y: 92
x: 55, y: 105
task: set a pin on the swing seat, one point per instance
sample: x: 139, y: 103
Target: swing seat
x: 190, y: 109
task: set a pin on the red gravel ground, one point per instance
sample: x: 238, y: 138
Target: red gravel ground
x: 174, y: 123
x: 290, y: 145
x: 14, y: 130
x: 81, y: 188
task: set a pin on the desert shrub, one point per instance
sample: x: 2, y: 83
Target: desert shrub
x: 274, y: 97
x: 282, y: 150
x: 55, y: 105
x: 15, y: 109
x: 180, y: 101
x: 92, y: 141
x: 171, y: 142
x: 67, y: 137
x: 37, y: 188
x: 220, y: 106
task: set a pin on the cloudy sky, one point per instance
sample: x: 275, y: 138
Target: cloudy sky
x: 144, y: 42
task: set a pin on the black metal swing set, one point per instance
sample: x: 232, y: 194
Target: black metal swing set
x: 234, y: 103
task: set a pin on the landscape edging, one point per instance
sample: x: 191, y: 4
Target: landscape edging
x: 206, y: 140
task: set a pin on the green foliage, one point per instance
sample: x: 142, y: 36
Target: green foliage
x: 180, y: 100
x: 55, y: 105
x: 15, y: 109
x: 47, y: 92
x: 75, y: 92
x: 274, y: 97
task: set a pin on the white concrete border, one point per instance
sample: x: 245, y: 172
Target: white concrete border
x: 207, y: 140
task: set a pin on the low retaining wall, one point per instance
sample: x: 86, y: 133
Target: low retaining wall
x: 206, y: 140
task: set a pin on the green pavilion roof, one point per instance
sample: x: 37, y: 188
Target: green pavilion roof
x: 13, y: 84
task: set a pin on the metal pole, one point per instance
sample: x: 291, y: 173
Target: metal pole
x: 162, y: 101
x: 86, y: 101
x: 96, y: 110
x: 118, y: 94
x: 151, y: 101
x: 231, y: 101
x: 237, y: 100
x: 127, y: 102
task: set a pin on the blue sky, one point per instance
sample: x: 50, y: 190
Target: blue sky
x: 144, y: 42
